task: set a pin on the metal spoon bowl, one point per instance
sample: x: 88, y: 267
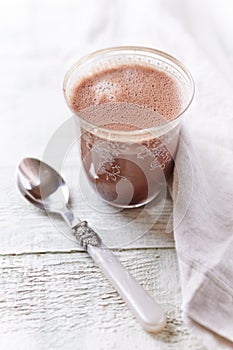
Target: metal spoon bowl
x: 41, y: 185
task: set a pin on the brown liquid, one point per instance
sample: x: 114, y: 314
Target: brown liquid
x: 127, y: 98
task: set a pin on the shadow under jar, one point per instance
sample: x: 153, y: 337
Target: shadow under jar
x: 128, y: 103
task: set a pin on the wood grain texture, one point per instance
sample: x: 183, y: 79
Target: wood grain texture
x: 62, y: 301
x: 28, y: 229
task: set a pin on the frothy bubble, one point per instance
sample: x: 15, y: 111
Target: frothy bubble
x: 138, y: 95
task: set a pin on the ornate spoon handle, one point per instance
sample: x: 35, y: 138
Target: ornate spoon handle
x: 146, y: 310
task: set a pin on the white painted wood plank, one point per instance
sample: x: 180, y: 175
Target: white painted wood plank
x: 62, y: 301
x: 27, y: 229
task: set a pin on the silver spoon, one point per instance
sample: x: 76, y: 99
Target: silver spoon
x: 42, y: 186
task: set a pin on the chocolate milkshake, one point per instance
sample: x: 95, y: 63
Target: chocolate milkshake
x: 127, y: 114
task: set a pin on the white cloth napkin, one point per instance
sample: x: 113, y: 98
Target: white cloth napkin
x: 203, y: 229
x: 203, y: 189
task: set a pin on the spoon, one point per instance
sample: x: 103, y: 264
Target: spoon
x: 42, y: 186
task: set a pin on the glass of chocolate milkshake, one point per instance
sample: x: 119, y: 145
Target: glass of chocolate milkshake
x: 128, y: 103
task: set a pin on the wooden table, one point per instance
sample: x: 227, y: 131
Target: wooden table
x: 52, y: 296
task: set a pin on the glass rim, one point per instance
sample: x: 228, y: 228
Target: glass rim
x: 142, y: 49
